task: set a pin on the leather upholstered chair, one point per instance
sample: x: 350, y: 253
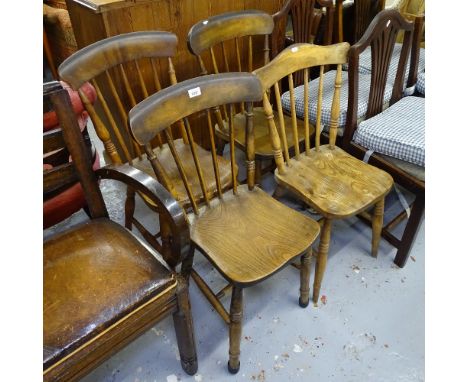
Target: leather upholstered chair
x: 102, y: 285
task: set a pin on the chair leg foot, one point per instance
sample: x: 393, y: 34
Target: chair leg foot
x: 321, y: 262
x: 235, y: 329
x: 183, y: 325
x: 233, y: 370
x: 377, y: 223
x: 306, y: 263
x: 129, y: 208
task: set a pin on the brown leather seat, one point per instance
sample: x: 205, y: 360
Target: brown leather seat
x: 108, y: 275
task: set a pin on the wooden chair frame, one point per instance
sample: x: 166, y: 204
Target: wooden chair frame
x: 126, y: 55
x: 90, y: 354
x: 383, y: 31
x: 209, y: 93
x: 317, y: 174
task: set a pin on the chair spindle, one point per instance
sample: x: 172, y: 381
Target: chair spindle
x: 318, y: 124
x: 293, y: 115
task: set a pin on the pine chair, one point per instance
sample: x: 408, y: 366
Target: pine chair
x: 232, y: 34
x: 110, y: 65
x: 325, y: 177
x: 391, y: 139
x: 245, y: 233
x: 102, y: 285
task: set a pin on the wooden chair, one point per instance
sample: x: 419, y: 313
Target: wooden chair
x: 245, y: 36
x: 245, y: 233
x: 102, y: 285
x: 110, y: 65
x: 307, y: 17
x: 403, y: 120
x: 364, y: 12
x: 325, y: 177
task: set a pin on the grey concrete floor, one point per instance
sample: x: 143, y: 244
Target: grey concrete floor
x: 368, y: 326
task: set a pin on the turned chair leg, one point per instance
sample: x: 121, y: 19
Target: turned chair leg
x: 235, y: 329
x: 377, y: 224
x: 306, y: 264
x: 411, y: 229
x: 184, y: 329
x: 129, y: 207
x: 279, y: 192
x: 321, y: 262
x: 258, y: 172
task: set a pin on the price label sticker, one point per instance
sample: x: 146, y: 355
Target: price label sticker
x: 195, y: 92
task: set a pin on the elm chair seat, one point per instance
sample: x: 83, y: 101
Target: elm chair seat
x: 107, y: 276
x: 397, y: 132
x: 328, y: 90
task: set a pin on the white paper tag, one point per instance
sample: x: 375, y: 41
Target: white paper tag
x: 195, y: 92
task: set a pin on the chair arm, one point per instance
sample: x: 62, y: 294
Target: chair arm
x: 153, y: 190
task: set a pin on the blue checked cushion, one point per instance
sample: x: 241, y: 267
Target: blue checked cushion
x: 328, y: 89
x: 397, y: 132
x: 365, y: 62
x: 421, y: 83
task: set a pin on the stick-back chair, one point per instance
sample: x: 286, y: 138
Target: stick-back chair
x: 394, y: 136
x: 102, y: 285
x: 110, y: 65
x: 245, y: 233
x: 332, y: 182
x: 225, y: 33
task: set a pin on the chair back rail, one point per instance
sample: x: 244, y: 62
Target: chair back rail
x: 300, y: 57
x: 124, y: 69
x: 381, y: 37
x: 153, y: 116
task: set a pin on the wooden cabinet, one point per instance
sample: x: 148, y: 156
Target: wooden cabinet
x: 95, y: 20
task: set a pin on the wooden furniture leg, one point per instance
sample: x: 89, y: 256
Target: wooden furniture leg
x: 184, y: 329
x: 186, y: 267
x: 322, y: 255
x: 235, y: 329
x: 411, y: 229
x: 258, y: 172
x: 129, y: 208
x: 166, y: 237
x: 377, y: 223
x: 306, y: 263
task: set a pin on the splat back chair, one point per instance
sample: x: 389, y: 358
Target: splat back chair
x: 325, y: 177
x: 245, y: 233
x: 103, y: 286
x: 312, y: 22
x: 109, y: 64
x: 233, y: 33
x: 394, y: 137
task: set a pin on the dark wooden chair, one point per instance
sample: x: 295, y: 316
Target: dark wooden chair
x: 311, y: 21
x: 401, y: 124
x: 245, y: 233
x: 125, y: 69
x: 102, y: 285
x: 332, y: 182
x: 245, y: 36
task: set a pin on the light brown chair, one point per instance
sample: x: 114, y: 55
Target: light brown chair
x: 125, y: 69
x: 102, y: 285
x: 325, y: 177
x: 245, y: 233
x: 245, y: 35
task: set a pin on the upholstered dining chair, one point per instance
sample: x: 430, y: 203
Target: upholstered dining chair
x: 389, y: 138
x: 125, y: 69
x: 245, y: 233
x: 102, y: 286
x: 326, y: 178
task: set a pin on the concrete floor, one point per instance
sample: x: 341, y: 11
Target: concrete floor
x: 369, y: 325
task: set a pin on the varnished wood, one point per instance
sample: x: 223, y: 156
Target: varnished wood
x: 326, y: 178
x: 377, y: 223
x: 94, y: 20
x: 381, y: 37
x: 123, y: 54
x: 91, y: 312
x: 245, y: 233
